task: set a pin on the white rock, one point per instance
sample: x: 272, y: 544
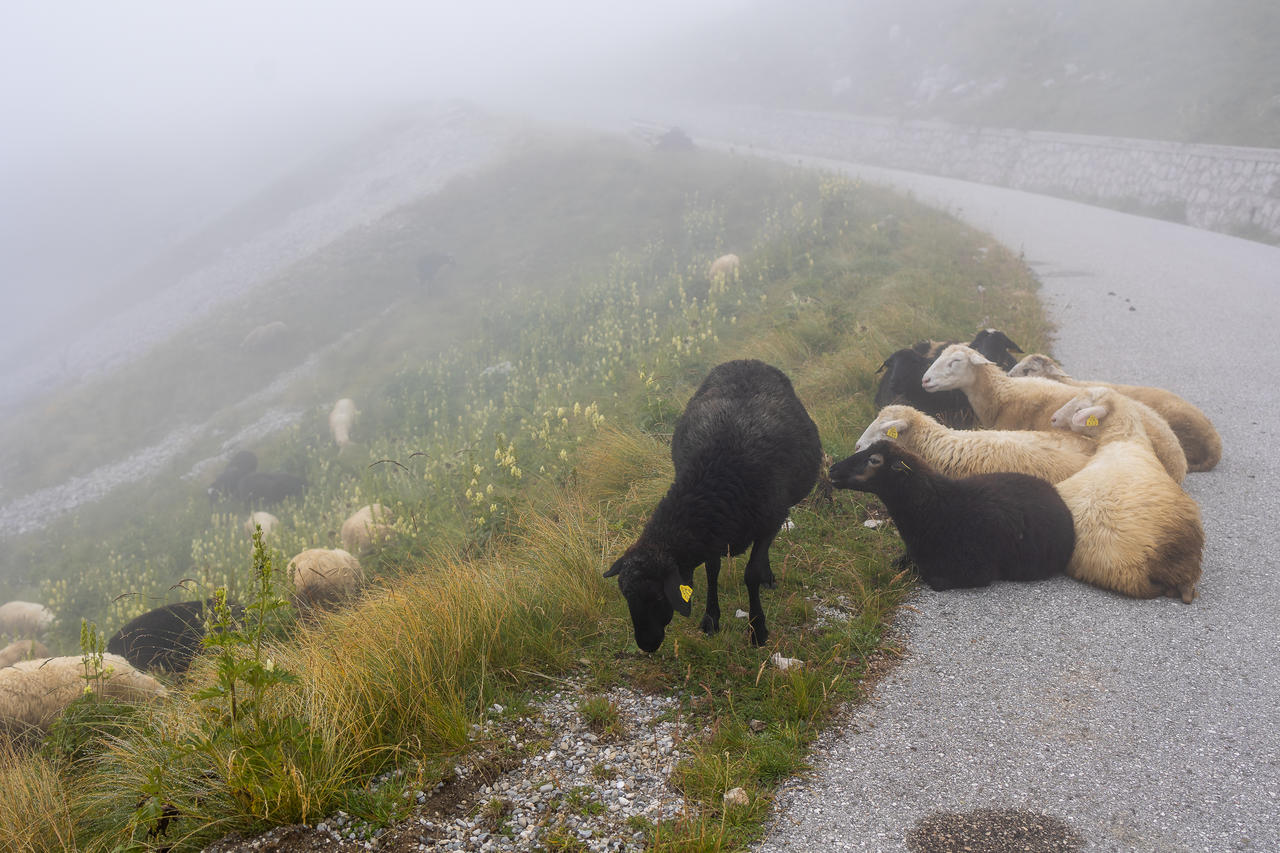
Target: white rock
x: 737, y: 797
x: 785, y: 663
x: 873, y: 523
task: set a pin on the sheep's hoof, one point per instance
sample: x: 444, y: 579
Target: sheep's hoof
x: 757, y: 632
x: 710, y: 624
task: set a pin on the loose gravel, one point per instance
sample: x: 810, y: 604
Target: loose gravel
x: 546, y: 780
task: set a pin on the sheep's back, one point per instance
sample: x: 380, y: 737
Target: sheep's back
x: 1052, y: 456
x: 1129, y: 515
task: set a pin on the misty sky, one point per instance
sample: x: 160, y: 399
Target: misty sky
x: 127, y: 124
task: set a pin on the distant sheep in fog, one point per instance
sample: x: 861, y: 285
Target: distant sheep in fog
x: 341, y: 419
x: 723, y: 269
x: 367, y: 525
x: 22, y: 650
x: 34, y: 692
x: 430, y: 264
x: 21, y: 619
x: 241, y: 463
x: 266, y: 338
x: 265, y: 520
x: 323, y: 576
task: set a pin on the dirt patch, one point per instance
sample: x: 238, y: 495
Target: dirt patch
x: 992, y: 831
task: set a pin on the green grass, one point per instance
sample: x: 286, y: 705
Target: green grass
x: 485, y: 593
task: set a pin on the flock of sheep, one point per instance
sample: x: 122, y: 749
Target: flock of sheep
x: 35, y: 688
x: 1065, y: 476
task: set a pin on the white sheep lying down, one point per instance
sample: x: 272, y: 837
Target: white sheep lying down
x: 34, y: 692
x: 1003, y: 402
x: 22, y: 650
x: 265, y: 520
x: 24, y: 619
x: 1052, y: 456
x: 1199, y: 439
x: 323, y: 576
x: 367, y: 525
x: 1137, y: 531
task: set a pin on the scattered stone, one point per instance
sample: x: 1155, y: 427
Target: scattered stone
x: 736, y: 797
x: 784, y: 663
x: 757, y: 726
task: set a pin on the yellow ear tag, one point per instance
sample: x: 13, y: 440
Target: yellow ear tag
x: 1092, y: 420
x: 892, y: 432
x: 686, y: 592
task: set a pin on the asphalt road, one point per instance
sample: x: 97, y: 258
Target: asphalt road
x: 1143, y: 725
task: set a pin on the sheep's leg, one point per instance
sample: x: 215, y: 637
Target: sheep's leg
x: 758, y: 570
x: 757, y: 630
x: 755, y: 574
x: 711, y: 619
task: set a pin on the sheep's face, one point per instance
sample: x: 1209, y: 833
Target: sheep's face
x: 654, y: 588
x: 889, y: 424
x: 868, y: 470
x: 1085, y: 412
x: 953, y: 369
x: 1037, y: 365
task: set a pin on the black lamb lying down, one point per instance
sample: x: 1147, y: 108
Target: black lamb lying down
x: 904, y: 369
x: 166, y: 638
x: 745, y: 451
x: 968, y: 531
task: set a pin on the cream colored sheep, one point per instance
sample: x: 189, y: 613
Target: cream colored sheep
x: 367, y: 525
x: 24, y: 619
x: 724, y: 269
x: 323, y: 576
x: 341, y: 420
x: 962, y: 453
x: 1002, y: 402
x: 265, y: 520
x: 34, y: 692
x: 22, y: 650
x: 1137, y: 532
x: 1200, y: 441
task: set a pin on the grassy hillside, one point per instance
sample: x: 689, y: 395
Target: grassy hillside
x: 581, y: 265
x: 1186, y: 70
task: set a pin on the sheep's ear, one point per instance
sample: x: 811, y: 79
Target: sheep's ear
x: 615, y: 568
x: 883, y: 366
x: 1087, y: 414
x: 899, y: 465
x: 894, y: 427
x: 976, y: 357
x: 678, y: 593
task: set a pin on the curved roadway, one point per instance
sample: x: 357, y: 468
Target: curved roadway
x: 1144, y: 725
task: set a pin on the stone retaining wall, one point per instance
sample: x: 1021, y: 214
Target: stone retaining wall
x: 1218, y: 187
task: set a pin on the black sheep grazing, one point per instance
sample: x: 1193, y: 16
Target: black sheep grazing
x: 243, y: 462
x: 745, y: 451
x: 968, y: 531
x: 996, y: 347
x: 263, y: 488
x: 166, y: 638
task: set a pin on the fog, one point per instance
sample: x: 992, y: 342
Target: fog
x: 130, y: 124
